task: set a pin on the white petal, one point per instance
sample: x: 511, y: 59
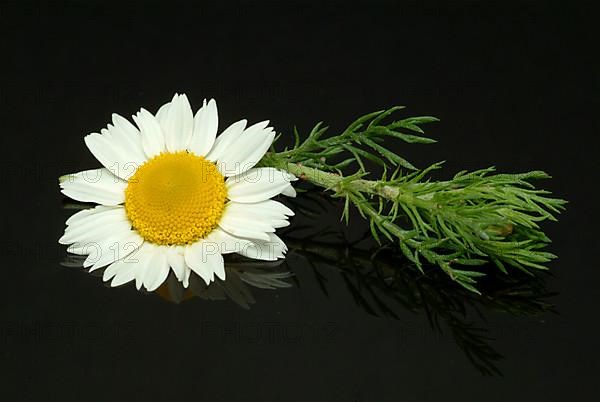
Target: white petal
x: 111, y: 154
x: 85, y: 213
x: 186, y: 276
x: 123, y: 271
x: 131, y: 132
x: 274, y: 207
x: 206, y: 124
x: 162, y: 112
x: 112, y: 270
x: 246, y: 151
x: 143, y: 257
x: 118, y: 148
x: 257, y: 184
x: 158, y: 270
x: 224, y: 141
x: 177, y: 123
x: 121, y: 250
x: 176, y: 260
x: 103, y: 246
x: 225, y: 242
x: 219, y: 268
x: 153, y: 139
x: 244, y: 226
x: 129, y: 140
x: 204, y: 259
x: 269, y: 212
x: 113, y: 248
x: 98, y: 185
x: 289, y: 191
x: 269, y: 250
x: 93, y: 225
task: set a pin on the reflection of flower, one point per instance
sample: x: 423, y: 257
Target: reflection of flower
x: 174, y: 196
x: 239, y: 276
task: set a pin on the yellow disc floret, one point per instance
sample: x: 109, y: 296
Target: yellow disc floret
x: 175, y: 198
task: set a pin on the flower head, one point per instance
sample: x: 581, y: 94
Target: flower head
x: 175, y: 196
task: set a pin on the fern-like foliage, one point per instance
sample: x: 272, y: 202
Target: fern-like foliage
x: 456, y: 224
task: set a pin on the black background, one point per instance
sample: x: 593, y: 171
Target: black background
x: 515, y: 85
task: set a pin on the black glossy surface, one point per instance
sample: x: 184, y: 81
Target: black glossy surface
x: 515, y: 85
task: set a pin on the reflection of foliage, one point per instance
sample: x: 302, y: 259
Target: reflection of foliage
x: 384, y: 283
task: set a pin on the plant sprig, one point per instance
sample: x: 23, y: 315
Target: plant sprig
x: 472, y: 219
x: 361, y: 140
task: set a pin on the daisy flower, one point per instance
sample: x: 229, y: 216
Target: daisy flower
x: 174, y: 196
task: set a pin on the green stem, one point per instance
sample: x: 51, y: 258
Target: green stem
x: 318, y: 177
x: 332, y: 181
x: 355, y: 189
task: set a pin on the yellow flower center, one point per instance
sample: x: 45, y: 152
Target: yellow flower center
x: 175, y: 198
